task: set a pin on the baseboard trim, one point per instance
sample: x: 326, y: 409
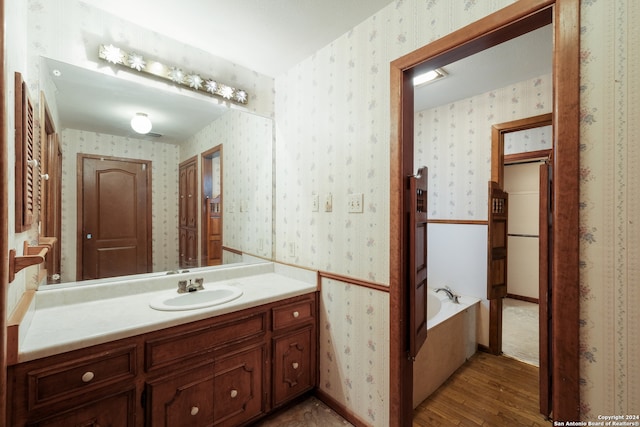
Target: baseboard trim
x: 340, y: 409
x: 523, y: 298
x: 483, y: 348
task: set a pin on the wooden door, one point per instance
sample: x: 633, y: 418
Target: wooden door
x: 115, y: 217
x: 544, y: 296
x: 496, y: 261
x: 417, y: 261
x: 214, y: 232
x: 188, y: 214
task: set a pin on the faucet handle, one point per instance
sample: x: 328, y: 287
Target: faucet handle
x: 199, y: 282
x: 182, y: 286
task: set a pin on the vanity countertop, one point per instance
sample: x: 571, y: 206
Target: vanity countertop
x: 70, y: 318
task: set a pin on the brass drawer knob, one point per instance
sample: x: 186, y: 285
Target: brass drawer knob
x: 295, y: 365
x: 296, y: 314
x: 87, y: 376
x: 234, y: 394
x: 194, y: 410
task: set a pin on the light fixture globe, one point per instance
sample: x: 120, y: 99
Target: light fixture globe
x: 141, y: 123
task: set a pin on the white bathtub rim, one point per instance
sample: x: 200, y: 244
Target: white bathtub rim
x: 448, y: 308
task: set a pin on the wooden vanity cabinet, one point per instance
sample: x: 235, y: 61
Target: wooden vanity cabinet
x: 228, y: 370
x: 93, y: 386
x: 294, y: 350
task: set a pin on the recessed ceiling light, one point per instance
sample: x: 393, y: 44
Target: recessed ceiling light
x: 56, y: 72
x: 429, y: 76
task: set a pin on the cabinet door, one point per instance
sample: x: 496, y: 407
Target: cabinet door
x: 292, y: 365
x: 183, y: 399
x: 239, y: 387
x: 118, y: 410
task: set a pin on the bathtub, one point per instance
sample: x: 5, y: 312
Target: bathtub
x: 451, y: 340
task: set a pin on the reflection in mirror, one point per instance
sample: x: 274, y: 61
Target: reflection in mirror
x: 92, y: 111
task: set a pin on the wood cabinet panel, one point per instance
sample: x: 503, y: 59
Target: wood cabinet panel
x: 182, y: 399
x: 118, y: 410
x: 292, y: 365
x: 239, y: 387
x: 176, y: 346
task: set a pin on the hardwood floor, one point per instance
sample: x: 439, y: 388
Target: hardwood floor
x: 486, y: 391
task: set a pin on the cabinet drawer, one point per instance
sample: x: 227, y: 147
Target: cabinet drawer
x: 292, y: 314
x: 78, y: 376
x: 293, y: 365
x: 117, y: 410
x: 187, y: 343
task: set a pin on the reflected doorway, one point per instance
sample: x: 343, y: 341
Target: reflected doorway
x: 114, y: 219
x: 212, y: 206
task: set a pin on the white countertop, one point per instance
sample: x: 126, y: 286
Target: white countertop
x: 73, y: 317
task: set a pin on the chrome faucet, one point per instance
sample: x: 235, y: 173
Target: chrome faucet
x: 183, y: 287
x: 452, y: 296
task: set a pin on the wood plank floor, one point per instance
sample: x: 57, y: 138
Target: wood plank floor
x: 486, y: 391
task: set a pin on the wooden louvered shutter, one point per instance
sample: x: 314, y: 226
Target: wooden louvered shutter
x: 26, y: 168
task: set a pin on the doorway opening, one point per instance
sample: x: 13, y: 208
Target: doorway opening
x: 514, y: 20
x: 212, y: 252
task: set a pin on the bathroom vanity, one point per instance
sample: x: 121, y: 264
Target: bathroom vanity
x: 225, y: 366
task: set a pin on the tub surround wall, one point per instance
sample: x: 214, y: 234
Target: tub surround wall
x: 451, y: 340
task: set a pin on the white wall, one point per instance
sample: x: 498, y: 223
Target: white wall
x: 522, y: 182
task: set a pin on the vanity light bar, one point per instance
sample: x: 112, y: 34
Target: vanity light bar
x: 137, y: 62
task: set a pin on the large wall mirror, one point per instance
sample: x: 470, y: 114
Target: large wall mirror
x: 92, y: 110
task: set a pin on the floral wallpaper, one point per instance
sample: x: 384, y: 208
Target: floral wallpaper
x: 332, y: 133
x: 609, y: 208
x: 164, y: 192
x: 454, y: 142
x: 247, y: 165
x: 524, y: 141
x: 332, y: 138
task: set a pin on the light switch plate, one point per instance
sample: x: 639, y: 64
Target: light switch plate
x: 328, y: 203
x: 355, y: 203
x: 315, y: 203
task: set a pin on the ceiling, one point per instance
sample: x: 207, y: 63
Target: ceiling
x: 268, y: 37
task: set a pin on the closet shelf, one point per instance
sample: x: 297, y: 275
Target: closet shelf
x: 32, y: 255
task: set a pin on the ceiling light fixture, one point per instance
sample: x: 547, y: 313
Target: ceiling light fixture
x: 141, y: 123
x: 429, y: 77
x: 135, y: 61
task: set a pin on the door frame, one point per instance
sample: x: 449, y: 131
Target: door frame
x: 80, y: 201
x: 206, y: 161
x: 500, y: 26
x: 497, y: 175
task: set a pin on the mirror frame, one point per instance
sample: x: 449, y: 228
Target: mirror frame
x: 493, y: 29
x: 4, y: 225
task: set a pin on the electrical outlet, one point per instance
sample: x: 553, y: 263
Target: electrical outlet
x: 328, y: 203
x: 355, y: 203
x: 231, y: 207
x: 315, y: 203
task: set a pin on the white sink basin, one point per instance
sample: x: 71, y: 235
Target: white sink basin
x: 212, y: 295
